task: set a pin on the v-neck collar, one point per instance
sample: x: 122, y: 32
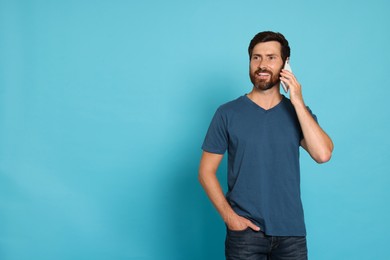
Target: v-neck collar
x: 253, y: 104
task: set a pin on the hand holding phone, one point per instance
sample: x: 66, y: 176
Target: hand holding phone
x: 286, y: 67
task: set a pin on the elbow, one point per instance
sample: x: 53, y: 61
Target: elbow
x: 201, y: 178
x: 205, y: 178
x: 324, y: 156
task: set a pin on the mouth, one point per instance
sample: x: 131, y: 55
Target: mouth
x: 263, y: 75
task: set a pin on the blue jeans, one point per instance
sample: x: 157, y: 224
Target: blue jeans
x: 255, y: 245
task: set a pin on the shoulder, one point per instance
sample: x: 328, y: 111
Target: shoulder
x: 232, y: 106
x: 287, y: 102
x: 289, y: 106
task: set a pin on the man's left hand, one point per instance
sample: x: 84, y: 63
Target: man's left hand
x: 293, y: 86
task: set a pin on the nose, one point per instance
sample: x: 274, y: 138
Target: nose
x: 262, y: 65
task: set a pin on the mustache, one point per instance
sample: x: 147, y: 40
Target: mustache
x: 263, y: 71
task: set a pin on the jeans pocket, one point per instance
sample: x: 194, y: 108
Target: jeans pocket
x: 238, y: 231
x: 245, y: 244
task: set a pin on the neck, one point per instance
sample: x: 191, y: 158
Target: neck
x: 266, y: 99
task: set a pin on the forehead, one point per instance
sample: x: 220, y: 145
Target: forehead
x: 272, y: 47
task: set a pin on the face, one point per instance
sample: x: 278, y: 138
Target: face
x: 265, y: 65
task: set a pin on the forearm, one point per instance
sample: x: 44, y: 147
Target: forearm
x: 214, y: 191
x: 315, y: 140
x: 208, y: 178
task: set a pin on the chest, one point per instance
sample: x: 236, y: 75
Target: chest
x: 266, y: 129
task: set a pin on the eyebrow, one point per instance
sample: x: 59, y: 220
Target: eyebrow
x: 271, y: 54
x: 266, y: 55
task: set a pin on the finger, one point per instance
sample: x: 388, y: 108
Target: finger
x: 287, y: 73
x: 290, y: 81
x: 253, y: 226
x: 285, y: 80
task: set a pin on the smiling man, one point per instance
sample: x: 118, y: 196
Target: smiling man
x: 262, y: 132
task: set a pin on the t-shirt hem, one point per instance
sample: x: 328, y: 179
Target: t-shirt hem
x: 211, y: 150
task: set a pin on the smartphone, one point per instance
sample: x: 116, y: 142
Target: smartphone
x: 286, y: 67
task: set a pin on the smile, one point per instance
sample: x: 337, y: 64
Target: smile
x: 263, y: 75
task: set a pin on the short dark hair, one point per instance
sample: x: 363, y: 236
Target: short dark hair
x: 268, y: 36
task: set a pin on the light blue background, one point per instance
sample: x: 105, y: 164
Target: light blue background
x: 104, y: 106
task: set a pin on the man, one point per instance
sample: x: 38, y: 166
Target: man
x: 262, y: 132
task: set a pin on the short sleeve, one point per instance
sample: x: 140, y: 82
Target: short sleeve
x: 216, y: 140
x: 313, y: 115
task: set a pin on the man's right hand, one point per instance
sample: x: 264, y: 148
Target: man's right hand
x: 207, y: 177
x: 237, y: 223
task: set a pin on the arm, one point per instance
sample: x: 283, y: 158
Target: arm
x: 315, y: 141
x: 207, y: 177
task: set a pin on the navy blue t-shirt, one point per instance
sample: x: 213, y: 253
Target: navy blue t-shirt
x: 263, y: 163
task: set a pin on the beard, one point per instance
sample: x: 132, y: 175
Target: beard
x: 264, y: 84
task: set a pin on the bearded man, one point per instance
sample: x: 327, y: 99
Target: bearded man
x: 262, y: 132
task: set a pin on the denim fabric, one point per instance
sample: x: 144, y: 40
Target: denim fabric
x: 252, y: 245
